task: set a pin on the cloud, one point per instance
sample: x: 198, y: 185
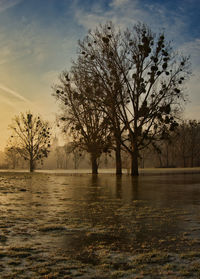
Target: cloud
x: 14, y: 93
x: 6, y: 101
x: 28, y: 43
x: 15, y: 43
x: 125, y: 13
x: 192, y: 48
x: 89, y: 20
x: 10, y: 107
x: 50, y: 77
x: 119, y: 3
x: 6, y: 4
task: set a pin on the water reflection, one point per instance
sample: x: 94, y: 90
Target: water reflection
x: 119, y: 187
x: 76, y: 212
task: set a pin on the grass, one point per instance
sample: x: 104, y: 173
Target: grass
x: 93, y: 237
x: 157, y: 257
x: 49, y: 228
x: 190, y: 255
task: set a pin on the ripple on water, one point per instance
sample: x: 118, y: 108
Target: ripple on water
x: 66, y: 226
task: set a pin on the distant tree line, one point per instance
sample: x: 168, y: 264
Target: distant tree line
x: 180, y: 149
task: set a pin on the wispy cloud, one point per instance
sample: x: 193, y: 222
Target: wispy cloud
x: 120, y: 3
x: 127, y: 12
x: 6, y: 101
x: 6, y: 4
x: 14, y: 93
x: 193, y: 48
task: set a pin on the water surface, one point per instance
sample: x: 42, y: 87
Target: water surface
x: 84, y: 226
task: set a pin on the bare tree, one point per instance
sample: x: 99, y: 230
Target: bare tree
x: 188, y: 142
x: 194, y: 140
x: 77, y: 156
x: 140, y: 79
x: 30, y: 137
x: 80, y: 117
x: 95, y: 62
x: 12, y: 156
x: 166, y: 151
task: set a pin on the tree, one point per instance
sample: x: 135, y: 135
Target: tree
x: 87, y: 125
x: 194, y: 140
x: 30, y: 137
x: 77, y: 155
x: 102, y: 74
x: 141, y: 80
x: 104, y: 104
x: 188, y: 146
x: 12, y: 156
x: 166, y: 150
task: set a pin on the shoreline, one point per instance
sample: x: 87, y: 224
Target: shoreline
x: 145, y: 171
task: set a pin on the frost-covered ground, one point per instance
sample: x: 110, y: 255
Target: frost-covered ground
x: 84, y: 226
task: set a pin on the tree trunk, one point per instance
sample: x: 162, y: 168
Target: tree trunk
x: 94, y: 164
x: 118, y: 158
x: 167, y: 156
x: 184, y: 162
x: 192, y: 158
x: 31, y: 165
x: 134, y: 161
x: 119, y: 187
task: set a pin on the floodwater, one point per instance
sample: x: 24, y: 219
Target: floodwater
x: 87, y: 226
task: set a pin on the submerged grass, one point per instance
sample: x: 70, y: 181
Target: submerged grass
x: 155, y: 257
x: 49, y: 228
x: 88, y: 232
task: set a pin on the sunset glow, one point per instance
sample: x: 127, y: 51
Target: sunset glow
x: 38, y: 39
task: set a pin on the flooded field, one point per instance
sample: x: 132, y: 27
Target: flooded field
x: 84, y: 226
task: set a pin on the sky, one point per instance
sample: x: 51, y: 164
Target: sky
x: 38, y: 40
